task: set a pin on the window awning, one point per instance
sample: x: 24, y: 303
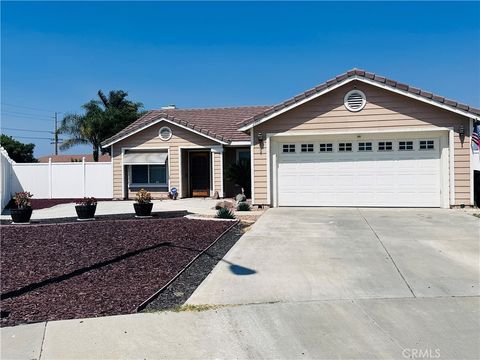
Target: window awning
x: 145, y: 158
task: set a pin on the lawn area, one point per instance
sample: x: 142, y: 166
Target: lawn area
x: 74, y: 270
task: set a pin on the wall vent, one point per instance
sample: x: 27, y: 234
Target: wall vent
x: 355, y: 100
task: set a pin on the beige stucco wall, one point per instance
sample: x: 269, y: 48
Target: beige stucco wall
x: 149, y: 138
x: 384, y: 110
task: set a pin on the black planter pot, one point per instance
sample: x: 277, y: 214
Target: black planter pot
x: 85, y: 212
x: 21, y: 215
x: 143, y: 209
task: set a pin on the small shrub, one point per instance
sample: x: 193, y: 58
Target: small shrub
x: 87, y: 201
x: 225, y: 213
x: 243, y: 206
x: 22, y: 199
x: 143, y: 197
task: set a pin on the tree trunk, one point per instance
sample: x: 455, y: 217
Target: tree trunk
x: 95, y: 153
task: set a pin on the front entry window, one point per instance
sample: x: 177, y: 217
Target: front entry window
x: 149, y: 174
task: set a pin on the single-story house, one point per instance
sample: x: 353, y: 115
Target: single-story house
x: 359, y: 139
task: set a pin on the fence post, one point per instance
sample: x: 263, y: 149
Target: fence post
x: 50, y: 178
x: 84, y: 177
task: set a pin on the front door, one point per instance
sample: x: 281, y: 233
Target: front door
x: 200, y: 174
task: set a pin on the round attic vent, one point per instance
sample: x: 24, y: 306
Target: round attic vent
x: 165, y: 133
x: 355, y: 100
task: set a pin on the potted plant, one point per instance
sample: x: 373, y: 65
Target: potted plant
x: 143, y: 203
x: 23, y: 211
x: 86, y: 208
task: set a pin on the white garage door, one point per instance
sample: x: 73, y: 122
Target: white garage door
x: 359, y: 173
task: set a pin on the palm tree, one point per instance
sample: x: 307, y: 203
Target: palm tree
x: 102, y: 119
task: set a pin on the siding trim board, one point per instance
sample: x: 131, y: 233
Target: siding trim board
x: 168, y: 121
x: 293, y: 103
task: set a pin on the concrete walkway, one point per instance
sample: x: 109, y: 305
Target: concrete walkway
x: 194, y: 205
x: 304, y: 284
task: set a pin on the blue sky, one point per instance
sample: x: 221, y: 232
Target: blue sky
x: 56, y: 55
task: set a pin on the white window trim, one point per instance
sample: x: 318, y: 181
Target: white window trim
x: 132, y: 184
x: 123, y: 149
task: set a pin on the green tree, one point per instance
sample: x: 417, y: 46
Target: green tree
x: 18, y: 151
x: 101, y: 119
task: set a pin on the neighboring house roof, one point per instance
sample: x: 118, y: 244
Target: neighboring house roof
x: 75, y: 157
x: 217, y: 123
x: 367, y: 77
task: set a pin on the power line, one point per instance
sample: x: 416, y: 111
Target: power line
x: 18, y: 118
x: 27, y: 114
x: 32, y: 137
x: 27, y: 107
x: 28, y: 130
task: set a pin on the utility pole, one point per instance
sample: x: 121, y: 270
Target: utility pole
x: 55, y: 139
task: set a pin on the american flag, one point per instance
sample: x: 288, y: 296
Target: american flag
x: 475, y: 137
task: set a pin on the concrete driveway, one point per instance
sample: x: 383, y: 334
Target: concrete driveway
x: 305, y: 284
x: 306, y: 254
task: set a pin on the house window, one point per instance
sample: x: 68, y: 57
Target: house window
x: 385, y: 146
x: 365, y: 146
x: 405, y: 145
x: 427, y: 145
x: 345, y: 147
x: 326, y: 147
x: 307, y: 148
x: 243, y: 155
x: 288, y: 148
x: 149, y: 174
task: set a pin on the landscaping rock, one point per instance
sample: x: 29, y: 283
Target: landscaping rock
x: 224, y: 204
x: 241, y: 198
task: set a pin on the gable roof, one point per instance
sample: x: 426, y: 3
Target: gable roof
x: 218, y: 124
x: 367, y: 77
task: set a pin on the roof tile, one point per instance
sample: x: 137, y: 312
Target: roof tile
x: 223, y: 123
x: 219, y: 123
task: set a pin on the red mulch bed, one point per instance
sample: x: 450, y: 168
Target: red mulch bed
x: 94, y: 269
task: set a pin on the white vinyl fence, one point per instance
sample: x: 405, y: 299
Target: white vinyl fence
x: 59, y: 180
x: 6, y: 165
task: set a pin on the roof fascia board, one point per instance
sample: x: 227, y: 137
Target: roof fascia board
x: 294, y: 105
x: 420, y: 98
x: 168, y: 121
x: 367, y: 81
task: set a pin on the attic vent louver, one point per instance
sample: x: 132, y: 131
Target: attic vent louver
x: 355, y: 100
x: 165, y: 133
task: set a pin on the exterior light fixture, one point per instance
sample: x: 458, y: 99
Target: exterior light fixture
x: 260, y: 137
x: 461, y: 131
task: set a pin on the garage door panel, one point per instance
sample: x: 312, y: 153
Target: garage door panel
x: 373, y: 178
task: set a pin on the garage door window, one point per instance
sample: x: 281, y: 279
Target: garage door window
x: 405, y: 145
x: 288, y: 148
x: 307, y: 148
x: 365, y: 146
x: 344, y: 147
x: 385, y: 146
x: 326, y: 147
x: 427, y: 145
